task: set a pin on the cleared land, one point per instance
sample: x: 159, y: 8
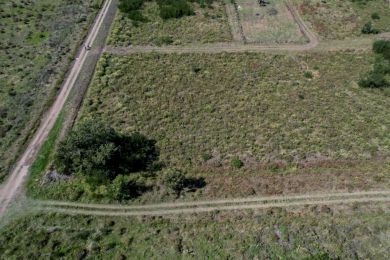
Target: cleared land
x: 335, y: 19
x: 272, y: 24
x: 314, y: 231
x: 37, y: 40
x: 207, y: 25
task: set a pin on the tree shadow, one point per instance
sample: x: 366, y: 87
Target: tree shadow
x: 192, y: 184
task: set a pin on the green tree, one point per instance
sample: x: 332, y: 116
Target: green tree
x: 97, y: 151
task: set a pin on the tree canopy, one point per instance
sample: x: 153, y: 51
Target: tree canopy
x: 95, y: 150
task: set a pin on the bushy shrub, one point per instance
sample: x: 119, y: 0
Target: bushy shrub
x: 368, y: 29
x: 174, y: 8
x: 308, y: 74
x: 174, y: 180
x: 95, y: 150
x: 236, y: 163
x: 127, y: 6
x: 374, y: 80
x: 125, y: 187
x: 379, y: 77
x: 132, y: 9
x: 375, y: 16
x: 382, y: 47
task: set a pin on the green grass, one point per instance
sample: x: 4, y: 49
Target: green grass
x: 272, y: 234
x: 205, y: 111
x: 37, y: 41
x: 334, y: 19
x: 208, y: 25
x: 44, y: 157
x: 255, y: 106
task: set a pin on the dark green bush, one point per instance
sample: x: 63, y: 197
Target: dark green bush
x: 174, y: 8
x: 375, y: 16
x: 368, y: 29
x: 96, y: 151
x: 374, y: 80
x: 132, y: 9
x: 382, y: 47
x: 236, y: 163
x: 174, y: 180
x: 379, y: 77
x: 308, y: 74
x: 126, y: 6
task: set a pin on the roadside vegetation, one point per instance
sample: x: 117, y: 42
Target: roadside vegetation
x: 311, y: 233
x: 37, y: 41
x: 379, y: 76
x: 206, y: 23
x: 334, y: 19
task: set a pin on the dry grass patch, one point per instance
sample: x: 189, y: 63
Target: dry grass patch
x: 256, y: 106
x: 335, y: 19
x: 273, y: 23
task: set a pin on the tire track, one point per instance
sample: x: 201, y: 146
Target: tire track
x: 213, y: 205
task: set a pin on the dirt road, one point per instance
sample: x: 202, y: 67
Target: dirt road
x: 214, y: 205
x: 17, y: 176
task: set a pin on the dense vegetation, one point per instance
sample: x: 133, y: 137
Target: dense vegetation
x: 379, y: 76
x: 315, y: 233
x: 207, y: 25
x: 168, y: 8
x: 37, y: 39
x: 97, y: 154
x: 96, y: 151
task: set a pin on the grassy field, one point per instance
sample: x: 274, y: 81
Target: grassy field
x: 278, y: 114
x: 270, y: 24
x: 337, y: 19
x: 273, y: 234
x: 207, y: 25
x: 262, y: 108
x: 37, y: 40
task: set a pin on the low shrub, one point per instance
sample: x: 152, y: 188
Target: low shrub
x: 236, y: 163
x: 382, y: 47
x: 174, y: 180
x: 379, y: 77
x: 174, y: 8
x: 375, y: 16
x: 164, y: 40
x: 308, y: 74
x: 125, y: 187
x: 368, y: 29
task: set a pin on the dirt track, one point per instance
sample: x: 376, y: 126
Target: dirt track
x: 16, y: 178
x: 214, y: 205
